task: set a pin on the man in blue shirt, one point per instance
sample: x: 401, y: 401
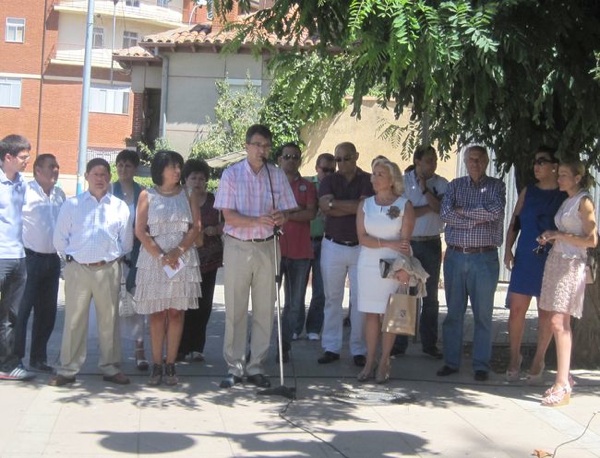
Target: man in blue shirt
x: 14, y: 156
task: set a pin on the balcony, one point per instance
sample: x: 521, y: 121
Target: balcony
x: 73, y: 54
x: 165, y: 13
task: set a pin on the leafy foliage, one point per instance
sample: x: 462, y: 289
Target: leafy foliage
x: 147, y: 152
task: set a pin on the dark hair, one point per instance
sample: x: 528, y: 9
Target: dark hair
x: 41, y: 159
x: 279, y: 151
x: 346, y: 146
x: 419, y: 154
x: 259, y: 129
x: 195, y: 165
x: 325, y: 157
x: 162, y: 159
x: 96, y: 162
x: 128, y: 155
x: 549, y: 151
x: 13, y: 145
x: 578, y: 168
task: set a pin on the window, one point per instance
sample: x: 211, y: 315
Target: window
x: 10, y: 92
x: 109, y: 99
x: 15, y: 30
x: 132, y: 3
x: 98, y: 38
x: 163, y: 3
x: 130, y: 39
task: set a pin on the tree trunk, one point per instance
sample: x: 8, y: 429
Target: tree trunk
x: 586, y: 331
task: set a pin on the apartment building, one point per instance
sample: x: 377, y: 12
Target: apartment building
x: 41, y: 67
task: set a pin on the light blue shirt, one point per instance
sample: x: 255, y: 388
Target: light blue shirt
x: 40, y: 212
x: 93, y: 231
x: 12, y: 195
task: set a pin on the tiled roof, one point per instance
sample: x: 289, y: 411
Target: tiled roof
x: 135, y: 53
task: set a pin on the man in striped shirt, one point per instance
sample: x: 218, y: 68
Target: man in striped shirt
x: 473, y: 210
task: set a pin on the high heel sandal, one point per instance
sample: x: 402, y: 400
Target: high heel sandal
x: 572, y: 384
x: 536, y: 379
x: 365, y: 375
x: 383, y: 376
x: 156, y: 375
x: 514, y: 376
x: 170, y: 376
x: 558, y: 396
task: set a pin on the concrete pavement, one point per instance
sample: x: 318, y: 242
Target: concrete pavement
x: 417, y: 414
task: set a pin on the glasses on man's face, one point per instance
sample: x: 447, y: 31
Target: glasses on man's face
x: 23, y: 157
x: 348, y: 158
x: 327, y: 169
x: 541, y: 161
x: 261, y: 145
x: 293, y: 157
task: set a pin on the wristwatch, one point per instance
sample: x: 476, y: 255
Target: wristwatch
x: 330, y: 204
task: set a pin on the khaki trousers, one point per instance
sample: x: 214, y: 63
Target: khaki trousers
x: 81, y: 284
x: 249, y: 270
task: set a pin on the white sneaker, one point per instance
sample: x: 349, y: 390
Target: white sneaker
x: 313, y: 336
x: 18, y: 373
x: 295, y: 336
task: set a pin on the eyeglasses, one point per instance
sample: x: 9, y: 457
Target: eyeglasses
x: 261, y: 145
x: 345, y: 158
x: 542, y: 161
x: 293, y: 157
x: 328, y: 169
x: 23, y: 157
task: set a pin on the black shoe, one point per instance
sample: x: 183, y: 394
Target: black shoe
x: 61, y: 380
x: 433, y: 352
x: 328, y: 357
x: 397, y: 352
x: 285, y: 357
x: 230, y: 381
x: 40, y: 367
x: 446, y: 370
x: 347, y: 322
x: 360, y: 360
x: 481, y: 376
x: 259, y: 380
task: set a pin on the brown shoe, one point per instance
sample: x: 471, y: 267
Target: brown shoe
x: 119, y: 378
x: 61, y: 380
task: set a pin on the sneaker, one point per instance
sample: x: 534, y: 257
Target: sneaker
x: 313, y: 336
x: 18, y: 373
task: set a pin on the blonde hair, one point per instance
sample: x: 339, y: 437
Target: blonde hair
x: 396, y: 174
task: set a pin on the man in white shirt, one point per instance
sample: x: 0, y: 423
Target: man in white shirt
x: 92, y: 234
x: 40, y: 211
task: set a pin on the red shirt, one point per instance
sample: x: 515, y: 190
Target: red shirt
x: 295, y: 242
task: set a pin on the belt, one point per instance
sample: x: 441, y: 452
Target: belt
x: 424, y: 238
x: 472, y: 249
x: 341, y: 242
x: 252, y: 240
x: 70, y: 258
x: 41, y: 255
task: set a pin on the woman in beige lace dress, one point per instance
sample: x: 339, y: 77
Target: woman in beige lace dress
x: 563, y: 285
x: 168, y: 276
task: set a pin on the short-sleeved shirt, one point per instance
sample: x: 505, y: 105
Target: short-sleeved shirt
x: 343, y: 228
x: 295, y: 241
x: 249, y: 194
x: 12, y: 196
x: 430, y: 223
x: 40, y: 213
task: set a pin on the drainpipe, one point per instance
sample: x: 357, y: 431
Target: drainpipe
x: 164, y: 95
x: 41, y: 91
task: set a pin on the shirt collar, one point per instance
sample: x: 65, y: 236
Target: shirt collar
x: 4, y: 178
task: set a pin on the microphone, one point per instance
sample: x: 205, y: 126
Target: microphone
x: 277, y: 231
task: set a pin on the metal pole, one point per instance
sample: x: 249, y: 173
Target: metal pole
x: 85, y: 96
x: 114, y: 35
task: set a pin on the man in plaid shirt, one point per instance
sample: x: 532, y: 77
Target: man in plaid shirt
x: 473, y: 210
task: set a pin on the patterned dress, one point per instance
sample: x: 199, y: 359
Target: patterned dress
x: 563, y: 286
x: 169, y: 218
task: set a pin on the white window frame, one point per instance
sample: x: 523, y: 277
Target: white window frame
x: 98, y: 35
x: 10, y: 92
x: 15, y: 30
x: 129, y: 38
x: 109, y: 99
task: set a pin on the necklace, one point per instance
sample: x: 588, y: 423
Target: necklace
x: 167, y: 193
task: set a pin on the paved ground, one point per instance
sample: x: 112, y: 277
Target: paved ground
x: 416, y: 414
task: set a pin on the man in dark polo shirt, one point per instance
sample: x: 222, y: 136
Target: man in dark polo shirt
x: 339, y: 195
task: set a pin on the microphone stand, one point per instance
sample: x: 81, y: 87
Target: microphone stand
x: 281, y: 390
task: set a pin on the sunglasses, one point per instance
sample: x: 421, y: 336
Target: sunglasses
x: 294, y: 157
x: 345, y: 158
x: 542, y: 161
x: 328, y: 169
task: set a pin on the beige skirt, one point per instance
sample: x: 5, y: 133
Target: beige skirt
x: 563, y: 285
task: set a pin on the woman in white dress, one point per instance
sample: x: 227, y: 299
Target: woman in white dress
x: 563, y: 285
x: 168, y: 276
x: 384, y: 224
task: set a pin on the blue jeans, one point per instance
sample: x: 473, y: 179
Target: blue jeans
x: 294, y: 273
x: 429, y: 253
x: 475, y: 277
x: 41, y: 291
x: 13, y: 276
x: 314, y: 318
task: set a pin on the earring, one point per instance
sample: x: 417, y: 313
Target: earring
x: 553, y: 170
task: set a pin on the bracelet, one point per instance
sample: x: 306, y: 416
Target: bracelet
x: 379, y: 242
x: 180, y: 248
x: 160, y: 256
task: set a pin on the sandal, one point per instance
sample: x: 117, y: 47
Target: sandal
x: 170, y: 376
x: 572, y: 384
x: 514, y: 375
x: 383, y: 373
x: 156, y: 375
x: 536, y: 379
x: 558, y: 396
x: 365, y: 375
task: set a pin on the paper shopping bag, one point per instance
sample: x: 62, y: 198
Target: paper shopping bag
x: 400, y: 315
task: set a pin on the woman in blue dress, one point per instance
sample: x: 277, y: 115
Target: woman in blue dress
x: 534, y: 213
